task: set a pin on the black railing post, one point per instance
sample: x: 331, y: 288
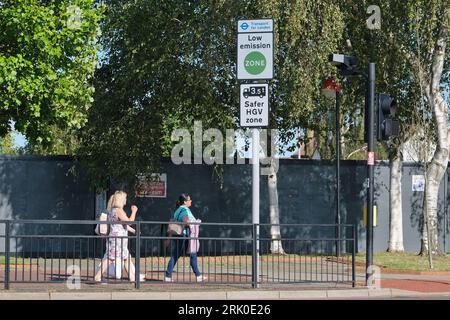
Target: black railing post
x: 161, y: 243
x: 255, y: 256
x: 353, y: 255
x: 338, y: 177
x: 7, y: 249
x: 137, y: 275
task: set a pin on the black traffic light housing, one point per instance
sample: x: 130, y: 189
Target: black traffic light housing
x: 387, y: 126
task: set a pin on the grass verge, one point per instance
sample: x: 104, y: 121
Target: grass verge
x: 13, y: 261
x: 407, y: 261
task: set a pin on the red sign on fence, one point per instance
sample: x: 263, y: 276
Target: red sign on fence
x: 154, y: 187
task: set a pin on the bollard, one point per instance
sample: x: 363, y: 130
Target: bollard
x: 137, y: 274
x: 7, y: 249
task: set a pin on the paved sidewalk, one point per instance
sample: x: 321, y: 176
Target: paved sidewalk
x: 357, y: 294
x: 204, y: 295
x: 393, y: 286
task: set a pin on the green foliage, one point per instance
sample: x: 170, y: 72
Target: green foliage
x: 166, y: 66
x: 404, y: 41
x: 7, y: 144
x: 306, y: 32
x: 64, y: 142
x: 46, y: 66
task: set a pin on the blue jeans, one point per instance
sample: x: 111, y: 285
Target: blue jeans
x: 178, y: 247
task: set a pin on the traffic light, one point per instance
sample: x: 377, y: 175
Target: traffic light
x: 387, y: 125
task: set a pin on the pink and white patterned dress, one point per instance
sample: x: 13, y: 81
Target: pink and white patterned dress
x: 117, y: 248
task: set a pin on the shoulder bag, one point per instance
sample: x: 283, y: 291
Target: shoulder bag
x: 175, y: 228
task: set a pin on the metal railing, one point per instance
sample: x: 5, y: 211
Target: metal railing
x: 61, y: 251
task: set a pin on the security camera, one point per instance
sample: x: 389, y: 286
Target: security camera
x: 340, y: 59
x: 343, y: 63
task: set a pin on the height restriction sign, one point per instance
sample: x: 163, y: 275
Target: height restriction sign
x: 255, y: 49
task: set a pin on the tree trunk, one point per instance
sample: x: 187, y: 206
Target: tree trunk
x: 425, y: 248
x: 395, y: 204
x: 310, y: 145
x: 434, y: 175
x: 436, y: 169
x: 275, y: 233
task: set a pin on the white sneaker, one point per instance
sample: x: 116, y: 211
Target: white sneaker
x: 201, y: 278
x: 167, y: 279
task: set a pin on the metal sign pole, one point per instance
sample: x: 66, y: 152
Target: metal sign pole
x: 255, y: 204
x: 255, y: 51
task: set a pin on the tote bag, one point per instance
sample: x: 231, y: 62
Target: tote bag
x: 102, y: 228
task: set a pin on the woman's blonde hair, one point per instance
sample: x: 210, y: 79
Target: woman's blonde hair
x: 117, y: 200
x: 110, y: 202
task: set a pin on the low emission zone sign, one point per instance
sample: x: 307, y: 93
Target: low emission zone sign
x: 254, y: 105
x: 255, y: 49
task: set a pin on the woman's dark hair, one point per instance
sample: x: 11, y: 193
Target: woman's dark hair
x: 181, y: 199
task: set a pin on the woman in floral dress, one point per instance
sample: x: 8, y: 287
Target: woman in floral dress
x: 117, y: 246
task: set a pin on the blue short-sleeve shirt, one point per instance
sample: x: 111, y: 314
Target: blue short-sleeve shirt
x: 181, y: 212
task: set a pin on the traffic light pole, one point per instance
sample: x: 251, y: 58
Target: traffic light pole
x: 345, y: 64
x: 370, y: 172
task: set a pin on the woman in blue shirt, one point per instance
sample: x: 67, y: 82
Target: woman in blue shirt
x: 183, y: 214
